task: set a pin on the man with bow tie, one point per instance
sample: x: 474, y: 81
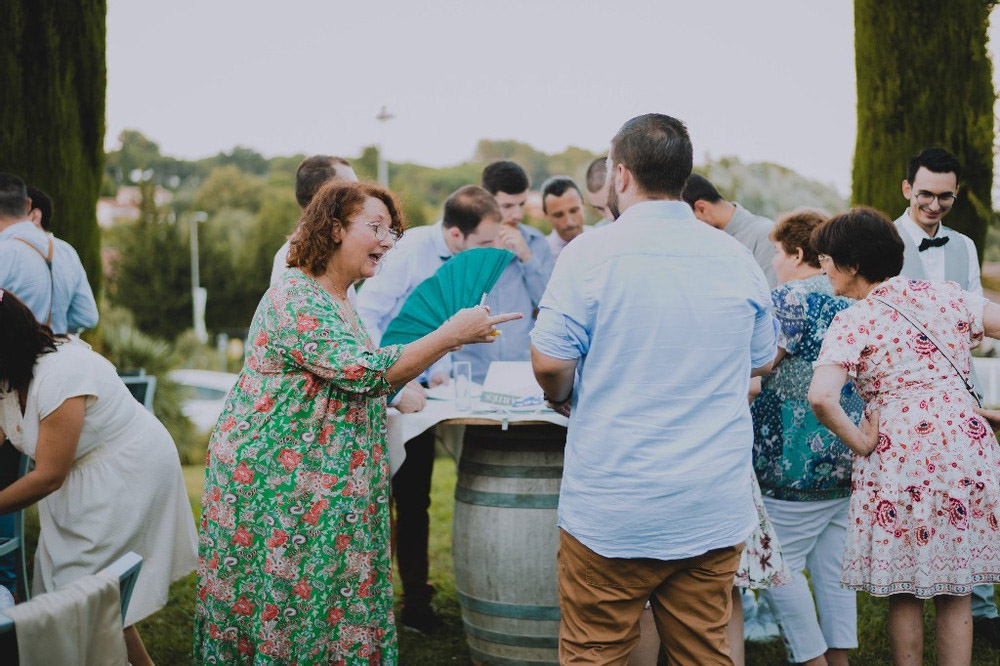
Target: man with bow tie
x: 933, y: 251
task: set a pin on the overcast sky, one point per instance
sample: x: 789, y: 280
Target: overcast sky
x: 767, y: 80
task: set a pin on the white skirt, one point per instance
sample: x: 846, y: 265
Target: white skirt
x: 113, y: 501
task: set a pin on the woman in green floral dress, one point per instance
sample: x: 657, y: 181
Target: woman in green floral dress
x: 294, y: 562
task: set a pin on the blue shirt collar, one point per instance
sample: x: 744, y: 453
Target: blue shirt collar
x: 659, y: 208
x: 22, y: 228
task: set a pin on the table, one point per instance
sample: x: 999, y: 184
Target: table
x: 504, y: 535
x: 404, y: 427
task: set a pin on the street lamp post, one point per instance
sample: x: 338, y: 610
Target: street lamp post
x: 199, y: 295
x: 383, y: 167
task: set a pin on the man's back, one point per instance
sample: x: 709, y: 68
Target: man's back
x: 667, y: 316
x: 754, y: 232
x: 73, y: 304
x: 23, y: 270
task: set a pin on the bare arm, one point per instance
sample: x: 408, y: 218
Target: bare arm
x: 824, y: 397
x: 468, y: 326
x: 556, y: 377
x: 58, y: 436
x: 991, y: 320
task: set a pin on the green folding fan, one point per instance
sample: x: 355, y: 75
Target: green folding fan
x: 459, y: 283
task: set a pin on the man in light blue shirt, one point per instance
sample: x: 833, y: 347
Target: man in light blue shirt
x: 650, y: 329
x: 73, y: 304
x: 471, y: 219
x: 24, y: 250
x: 522, y: 283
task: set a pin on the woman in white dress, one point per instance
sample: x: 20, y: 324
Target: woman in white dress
x: 107, y: 477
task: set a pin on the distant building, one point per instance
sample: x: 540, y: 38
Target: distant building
x: 124, y: 206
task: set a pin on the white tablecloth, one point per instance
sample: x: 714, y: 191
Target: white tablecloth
x: 404, y: 427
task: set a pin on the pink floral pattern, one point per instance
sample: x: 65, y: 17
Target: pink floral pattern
x: 761, y: 563
x: 294, y: 563
x: 925, y: 504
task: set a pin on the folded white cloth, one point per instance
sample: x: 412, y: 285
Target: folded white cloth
x: 77, y: 625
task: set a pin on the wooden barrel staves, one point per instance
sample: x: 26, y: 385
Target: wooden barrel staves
x: 504, y: 542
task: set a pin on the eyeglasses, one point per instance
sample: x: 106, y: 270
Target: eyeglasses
x: 381, y: 233
x: 822, y: 258
x: 945, y: 200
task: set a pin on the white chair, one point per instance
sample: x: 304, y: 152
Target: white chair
x: 125, y: 568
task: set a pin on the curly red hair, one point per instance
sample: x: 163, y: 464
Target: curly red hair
x: 335, y: 204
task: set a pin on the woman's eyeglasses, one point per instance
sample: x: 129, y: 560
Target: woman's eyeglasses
x: 381, y: 233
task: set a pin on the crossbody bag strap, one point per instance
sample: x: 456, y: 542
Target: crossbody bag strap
x: 940, y: 347
x: 47, y: 258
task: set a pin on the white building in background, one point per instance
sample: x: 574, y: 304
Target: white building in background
x: 124, y: 206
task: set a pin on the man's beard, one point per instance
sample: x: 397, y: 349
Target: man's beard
x: 613, y: 197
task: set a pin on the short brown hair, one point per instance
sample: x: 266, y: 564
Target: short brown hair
x: 335, y: 203
x: 793, y: 230
x: 467, y: 207
x: 657, y: 150
x: 862, y: 238
x: 312, y: 173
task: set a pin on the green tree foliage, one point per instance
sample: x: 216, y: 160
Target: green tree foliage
x: 53, y: 80
x: 924, y: 79
x: 251, y: 214
x: 151, y: 270
x: 229, y: 187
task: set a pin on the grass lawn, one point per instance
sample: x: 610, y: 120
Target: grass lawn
x: 168, y: 633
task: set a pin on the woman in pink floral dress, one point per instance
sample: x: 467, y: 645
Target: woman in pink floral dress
x: 925, y: 496
x: 294, y: 564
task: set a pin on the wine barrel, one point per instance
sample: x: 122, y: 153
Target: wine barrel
x: 504, y: 543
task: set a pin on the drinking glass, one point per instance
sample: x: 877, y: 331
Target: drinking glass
x: 462, y: 376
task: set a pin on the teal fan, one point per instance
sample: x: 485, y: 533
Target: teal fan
x: 459, y: 283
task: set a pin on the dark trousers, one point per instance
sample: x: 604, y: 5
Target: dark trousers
x: 411, y: 492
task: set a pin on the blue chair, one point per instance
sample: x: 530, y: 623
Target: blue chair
x: 126, y: 568
x: 141, y: 386
x: 15, y: 544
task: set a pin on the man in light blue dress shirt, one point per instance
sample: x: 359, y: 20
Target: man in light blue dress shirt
x: 522, y: 283
x: 650, y: 329
x: 73, y: 304
x: 471, y: 219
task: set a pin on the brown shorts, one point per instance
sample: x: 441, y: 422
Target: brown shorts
x: 601, y: 599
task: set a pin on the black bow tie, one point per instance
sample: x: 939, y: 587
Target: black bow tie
x: 932, y: 242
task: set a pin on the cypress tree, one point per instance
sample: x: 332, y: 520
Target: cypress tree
x: 52, y: 82
x: 924, y: 79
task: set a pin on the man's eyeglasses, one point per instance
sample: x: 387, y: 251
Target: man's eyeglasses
x: 381, y: 233
x: 822, y: 258
x: 945, y: 200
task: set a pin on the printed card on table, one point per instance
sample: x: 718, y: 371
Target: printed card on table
x: 512, y: 384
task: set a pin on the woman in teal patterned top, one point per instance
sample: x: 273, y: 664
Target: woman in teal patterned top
x: 803, y: 469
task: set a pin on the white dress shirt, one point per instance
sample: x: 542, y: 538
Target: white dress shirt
x: 933, y: 257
